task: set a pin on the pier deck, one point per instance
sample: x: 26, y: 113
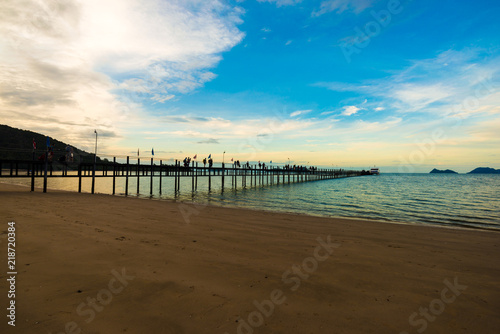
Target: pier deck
x: 156, y: 169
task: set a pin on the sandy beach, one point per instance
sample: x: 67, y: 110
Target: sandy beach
x: 103, y: 264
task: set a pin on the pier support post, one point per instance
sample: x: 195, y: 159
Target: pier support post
x: 138, y: 173
x: 192, y: 176
x: 126, y: 176
x: 114, y: 174
x: 159, y: 186
x: 45, y: 173
x: 32, y: 174
x: 79, y: 177
x: 223, y: 172
x: 93, y: 177
x: 151, y: 179
x: 175, y: 177
x: 209, y: 180
x: 179, y: 174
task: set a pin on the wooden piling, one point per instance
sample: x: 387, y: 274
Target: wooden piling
x: 114, y: 174
x: 209, y: 180
x: 175, y: 176
x: 32, y: 175
x: 138, y: 173
x: 159, y: 186
x: 192, y: 176
x: 45, y: 173
x: 151, y: 179
x: 223, y: 172
x: 126, y: 176
x: 80, y: 177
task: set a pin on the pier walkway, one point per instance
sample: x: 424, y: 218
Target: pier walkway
x: 157, y: 170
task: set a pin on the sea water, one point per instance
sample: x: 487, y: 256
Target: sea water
x: 471, y: 201
x: 454, y: 200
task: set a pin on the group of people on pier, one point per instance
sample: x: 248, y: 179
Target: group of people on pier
x: 210, y: 162
x: 186, y: 161
x: 247, y: 165
x: 296, y: 168
x: 49, y: 155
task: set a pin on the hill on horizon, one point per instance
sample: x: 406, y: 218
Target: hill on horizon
x: 440, y: 171
x: 484, y: 170
x: 17, y: 144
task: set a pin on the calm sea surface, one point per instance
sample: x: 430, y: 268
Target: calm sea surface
x: 471, y: 201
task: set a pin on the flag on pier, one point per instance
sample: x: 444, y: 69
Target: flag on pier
x: 210, y: 155
x: 34, y: 144
x: 231, y: 159
x: 137, y: 152
x: 48, y: 142
x: 194, y: 158
x: 152, y: 151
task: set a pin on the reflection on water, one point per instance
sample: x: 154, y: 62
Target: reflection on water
x: 458, y: 200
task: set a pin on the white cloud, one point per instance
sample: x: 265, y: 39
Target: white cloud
x: 350, y: 110
x: 65, y: 62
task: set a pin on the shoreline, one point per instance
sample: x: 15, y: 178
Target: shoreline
x: 220, y: 270
x: 355, y: 218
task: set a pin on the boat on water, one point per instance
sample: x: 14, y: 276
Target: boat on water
x: 374, y: 171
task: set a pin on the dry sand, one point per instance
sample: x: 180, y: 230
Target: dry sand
x: 103, y: 264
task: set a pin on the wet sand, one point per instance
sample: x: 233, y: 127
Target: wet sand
x: 103, y: 264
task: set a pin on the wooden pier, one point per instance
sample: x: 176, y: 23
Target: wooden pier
x: 156, y: 170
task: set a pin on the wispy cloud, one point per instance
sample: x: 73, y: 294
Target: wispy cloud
x: 435, y: 85
x: 208, y: 141
x: 340, y: 6
x: 280, y: 3
x: 300, y: 112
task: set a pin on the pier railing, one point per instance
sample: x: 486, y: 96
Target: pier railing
x: 156, y: 169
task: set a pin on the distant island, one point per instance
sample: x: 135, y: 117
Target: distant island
x: 484, y: 170
x: 439, y: 171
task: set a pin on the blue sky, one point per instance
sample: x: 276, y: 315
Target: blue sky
x: 404, y: 85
